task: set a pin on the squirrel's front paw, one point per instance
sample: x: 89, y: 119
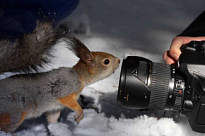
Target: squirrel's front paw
x: 79, y: 117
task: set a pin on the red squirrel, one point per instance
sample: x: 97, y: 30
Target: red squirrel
x: 30, y: 95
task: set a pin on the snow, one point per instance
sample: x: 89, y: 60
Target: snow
x: 62, y: 129
x: 141, y: 28
x: 125, y: 127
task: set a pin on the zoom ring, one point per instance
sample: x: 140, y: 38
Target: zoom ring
x: 159, y: 86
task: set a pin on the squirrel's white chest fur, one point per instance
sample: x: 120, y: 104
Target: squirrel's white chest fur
x: 44, y: 108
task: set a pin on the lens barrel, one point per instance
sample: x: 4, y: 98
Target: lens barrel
x: 145, y: 84
x: 133, y: 91
x: 159, y: 87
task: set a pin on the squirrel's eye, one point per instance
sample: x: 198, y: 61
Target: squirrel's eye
x: 107, y: 61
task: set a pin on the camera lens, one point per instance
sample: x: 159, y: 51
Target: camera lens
x: 145, y: 84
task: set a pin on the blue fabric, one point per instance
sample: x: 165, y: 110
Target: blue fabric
x: 18, y: 17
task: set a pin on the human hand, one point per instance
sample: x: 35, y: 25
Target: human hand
x: 172, y: 55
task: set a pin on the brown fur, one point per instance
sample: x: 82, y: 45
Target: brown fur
x: 27, y: 96
x: 30, y: 95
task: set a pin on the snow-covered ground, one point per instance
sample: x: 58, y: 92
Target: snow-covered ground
x: 132, y: 27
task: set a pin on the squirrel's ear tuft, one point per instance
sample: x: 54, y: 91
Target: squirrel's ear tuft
x: 79, y: 49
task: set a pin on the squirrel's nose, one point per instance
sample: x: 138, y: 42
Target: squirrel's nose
x: 118, y: 61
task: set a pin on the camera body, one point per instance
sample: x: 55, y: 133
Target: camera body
x: 192, y: 64
x: 179, y: 87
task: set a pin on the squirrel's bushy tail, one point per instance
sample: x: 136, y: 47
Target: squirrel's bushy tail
x: 30, y: 51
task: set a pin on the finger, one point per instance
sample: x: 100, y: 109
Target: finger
x: 170, y: 61
x: 189, y: 39
x: 167, y: 58
x: 175, y: 48
x: 178, y: 42
x: 165, y: 55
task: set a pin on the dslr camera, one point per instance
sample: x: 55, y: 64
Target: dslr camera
x: 179, y: 87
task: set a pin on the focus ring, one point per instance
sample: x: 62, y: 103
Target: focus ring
x: 159, y: 86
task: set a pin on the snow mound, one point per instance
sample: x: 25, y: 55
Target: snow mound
x: 95, y: 124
